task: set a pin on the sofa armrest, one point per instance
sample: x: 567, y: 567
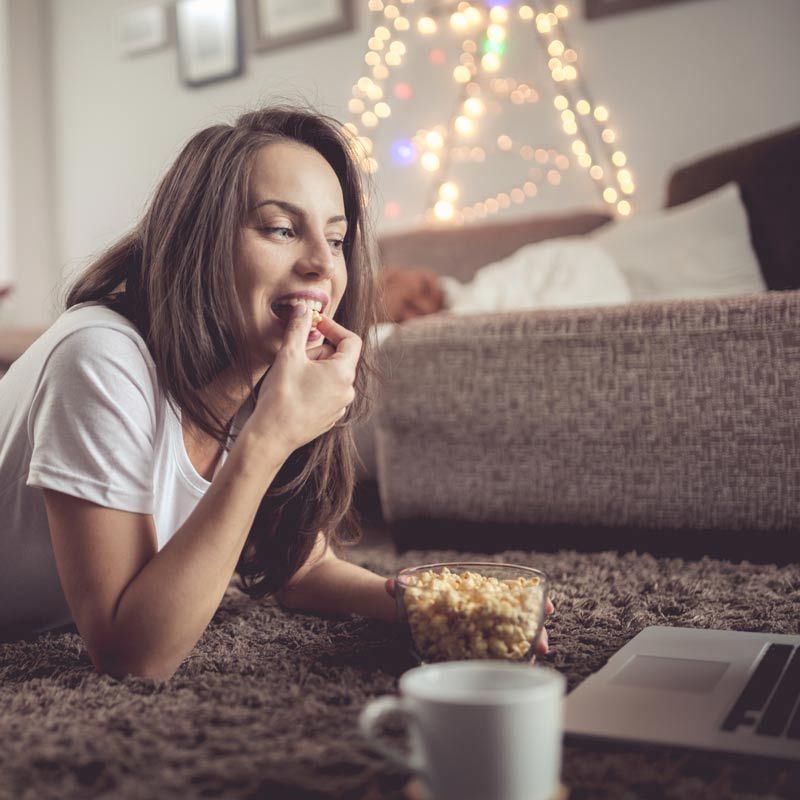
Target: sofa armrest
x: 680, y: 415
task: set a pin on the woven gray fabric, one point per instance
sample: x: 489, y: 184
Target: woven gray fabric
x: 679, y: 415
x: 267, y: 704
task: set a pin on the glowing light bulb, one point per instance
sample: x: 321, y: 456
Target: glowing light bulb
x: 561, y: 11
x: 368, y: 119
x: 390, y: 12
x: 556, y: 47
x: 427, y: 26
x: 401, y: 24
x: 430, y: 162
x: 403, y: 91
x: 356, y: 105
x: 498, y: 14
x: 608, y: 136
x: 372, y: 59
x: 464, y: 125
x: 624, y: 207
x: 403, y: 152
x: 382, y: 32
x: 530, y: 188
x: 443, y: 210
x: 610, y: 195
x: 584, y: 159
x: 561, y: 102
x: 449, y: 191
x: 462, y: 74
x: 458, y: 22
x: 553, y: 177
x: 437, y: 56
x: 380, y: 73
x: 434, y: 140
x: 583, y: 107
x: 526, y: 13
x: 504, y: 142
x: 474, y: 106
x: 596, y: 172
x: 382, y: 110
x: 490, y: 62
x: 618, y: 158
x: 601, y: 113
x: 496, y: 33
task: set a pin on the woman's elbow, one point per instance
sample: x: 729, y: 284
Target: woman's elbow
x: 118, y: 665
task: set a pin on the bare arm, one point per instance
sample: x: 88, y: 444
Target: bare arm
x: 327, y: 584
x: 140, y: 610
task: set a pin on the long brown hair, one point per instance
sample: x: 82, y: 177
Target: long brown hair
x: 172, y: 276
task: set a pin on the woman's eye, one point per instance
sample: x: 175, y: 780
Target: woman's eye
x: 281, y: 233
x: 337, y: 245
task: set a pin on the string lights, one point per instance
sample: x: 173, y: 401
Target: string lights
x: 484, y: 31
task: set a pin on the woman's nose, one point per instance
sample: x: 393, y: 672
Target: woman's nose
x: 317, y: 260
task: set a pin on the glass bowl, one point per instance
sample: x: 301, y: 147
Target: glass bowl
x: 471, y: 610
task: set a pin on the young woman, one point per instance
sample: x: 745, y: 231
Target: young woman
x: 184, y: 419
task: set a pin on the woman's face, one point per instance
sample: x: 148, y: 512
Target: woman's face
x: 291, y: 246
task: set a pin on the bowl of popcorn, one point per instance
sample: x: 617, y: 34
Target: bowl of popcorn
x: 472, y: 610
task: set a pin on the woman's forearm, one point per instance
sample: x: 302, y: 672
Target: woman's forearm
x: 335, y: 586
x: 167, y: 606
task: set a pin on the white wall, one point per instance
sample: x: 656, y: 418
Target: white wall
x: 680, y: 80
x: 5, y: 149
x: 33, y: 245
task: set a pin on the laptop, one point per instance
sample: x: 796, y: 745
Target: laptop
x: 716, y: 690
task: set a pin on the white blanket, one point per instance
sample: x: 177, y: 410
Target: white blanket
x: 554, y: 273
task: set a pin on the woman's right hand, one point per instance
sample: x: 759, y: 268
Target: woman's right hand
x: 302, y: 398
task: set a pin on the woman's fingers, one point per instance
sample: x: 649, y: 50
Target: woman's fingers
x: 346, y: 342
x: 390, y: 587
x: 542, y: 643
x: 549, y: 607
x: 321, y: 353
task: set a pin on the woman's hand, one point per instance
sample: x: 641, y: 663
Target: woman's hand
x: 541, y: 644
x: 301, y: 398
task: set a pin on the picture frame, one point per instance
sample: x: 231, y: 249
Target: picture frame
x: 283, y: 23
x: 209, y: 40
x: 143, y: 29
x: 594, y: 9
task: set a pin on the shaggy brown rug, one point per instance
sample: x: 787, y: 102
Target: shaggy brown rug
x: 266, y: 706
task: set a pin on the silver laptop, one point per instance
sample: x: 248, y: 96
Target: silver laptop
x: 716, y: 690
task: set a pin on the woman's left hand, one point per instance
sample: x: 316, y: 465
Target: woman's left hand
x: 541, y: 644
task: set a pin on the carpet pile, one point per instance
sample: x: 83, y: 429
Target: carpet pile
x: 266, y: 706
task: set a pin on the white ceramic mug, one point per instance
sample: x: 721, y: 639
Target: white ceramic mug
x: 479, y: 730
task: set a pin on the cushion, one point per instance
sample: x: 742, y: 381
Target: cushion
x: 766, y: 171
x: 699, y: 249
x: 461, y: 251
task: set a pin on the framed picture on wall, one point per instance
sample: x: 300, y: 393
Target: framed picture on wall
x: 603, y: 8
x: 209, y: 47
x: 280, y: 23
x: 143, y: 29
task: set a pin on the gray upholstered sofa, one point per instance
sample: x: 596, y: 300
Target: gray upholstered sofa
x: 673, y: 426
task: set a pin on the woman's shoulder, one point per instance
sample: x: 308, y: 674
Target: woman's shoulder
x: 90, y: 336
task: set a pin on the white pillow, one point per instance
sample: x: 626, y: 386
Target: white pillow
x: 699, y: 249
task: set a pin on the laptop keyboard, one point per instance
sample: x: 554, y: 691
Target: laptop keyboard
x: 774, y: 688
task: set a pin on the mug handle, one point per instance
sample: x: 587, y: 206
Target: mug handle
x: 369, y: 722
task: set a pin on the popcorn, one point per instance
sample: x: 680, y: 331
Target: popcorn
x: 455, y: 616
